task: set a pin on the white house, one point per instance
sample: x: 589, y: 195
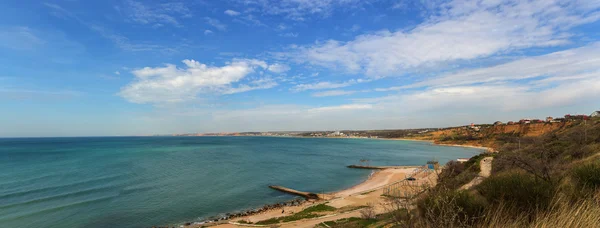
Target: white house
x: 595, y: 114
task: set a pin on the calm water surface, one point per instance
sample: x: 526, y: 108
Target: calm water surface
x: 146, y: 181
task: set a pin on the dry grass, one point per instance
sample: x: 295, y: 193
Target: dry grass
x: 583, y: 213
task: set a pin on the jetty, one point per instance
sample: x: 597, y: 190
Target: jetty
x: 307, y: 195
x: 381, y: 167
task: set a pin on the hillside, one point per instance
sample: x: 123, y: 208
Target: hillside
x: 490, y: 135
x: 544, y: 175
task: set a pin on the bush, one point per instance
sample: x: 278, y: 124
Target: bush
x: 587, y: 176
x: 306, y: 213
x: 451, y: 208
x: 454, y: 175
x: 581, y: 213
x: 519, y: 190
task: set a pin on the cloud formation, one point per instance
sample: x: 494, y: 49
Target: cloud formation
x: 171, y: 84
x: 155, y: 15
x: 454, y: 31
x: 326, y: 85
x: 331, y: 93
x: 301, y: 10
x: 215, y: 23
x: 232, y: 12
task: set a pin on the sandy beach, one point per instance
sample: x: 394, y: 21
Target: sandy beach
x: 368, y: 192
x: 441, y: 144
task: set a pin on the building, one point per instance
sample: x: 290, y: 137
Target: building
x: 524, y: 121
x: 510, y: 122
x: 549, y: 119
x: 498, y: 123
x: 595, y: 114
x: 433, y: 165
x: 570, y: 117
x: 461, y: 160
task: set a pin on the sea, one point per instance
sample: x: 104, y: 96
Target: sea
x: 166, y: 181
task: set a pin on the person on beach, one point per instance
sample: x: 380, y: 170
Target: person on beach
x: 282, y: 211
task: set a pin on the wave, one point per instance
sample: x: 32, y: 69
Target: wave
x: 65, y: 195
x: 47, y: 210
x: 28, y: 179
x: 37, y: 190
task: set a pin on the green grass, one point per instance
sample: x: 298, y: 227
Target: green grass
x: 350, y: 222
x: 459, y: 205
x: 519, y: 190
x: 306, y: 213
x: 587, y: 176
x: 366, y: 193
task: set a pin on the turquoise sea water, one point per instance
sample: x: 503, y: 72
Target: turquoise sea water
x: 148, y: 181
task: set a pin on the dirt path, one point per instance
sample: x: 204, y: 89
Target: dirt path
x: 486, y: 170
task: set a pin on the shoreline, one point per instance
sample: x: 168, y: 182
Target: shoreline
x: 373, y: 183
x: 376, y: 181
x: 321, y: 137
x: 394, y: 139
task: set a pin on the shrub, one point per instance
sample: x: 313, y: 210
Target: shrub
x: 455, y: 175
x: 582, y: 213
x: 519, y: 190
x: 451, y: 208
x: 587, y: 176
x: 306, y: 213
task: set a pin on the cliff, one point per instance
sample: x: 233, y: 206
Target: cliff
x: 490, y: 135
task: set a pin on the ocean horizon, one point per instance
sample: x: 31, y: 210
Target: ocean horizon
x: 158, y: 181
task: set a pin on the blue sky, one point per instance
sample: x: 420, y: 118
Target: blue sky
x: 93, y: 68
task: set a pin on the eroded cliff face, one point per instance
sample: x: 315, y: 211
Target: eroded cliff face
x: 532, y: 129
x: 487, y: 135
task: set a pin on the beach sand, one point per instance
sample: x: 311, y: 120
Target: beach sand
x: 367, y: 192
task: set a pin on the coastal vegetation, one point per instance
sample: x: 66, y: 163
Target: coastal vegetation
x: 310, y: 212
x: 547, y: 180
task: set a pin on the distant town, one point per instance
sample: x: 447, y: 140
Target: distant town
x: 394, y: 133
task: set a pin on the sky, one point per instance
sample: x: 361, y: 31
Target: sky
x: 133, y: 67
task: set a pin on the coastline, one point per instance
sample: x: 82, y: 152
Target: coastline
x: 361, y: 193
x: 397, y: 139
x: 372, y: 185
x: 489, y: 149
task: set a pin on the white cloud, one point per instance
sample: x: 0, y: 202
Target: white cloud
x: 331, y: 93
x: 264, y: 83
x: 19, y: 38
x: 249, y: 20
x: 282, y: 27
x: 553, y: 84
x: 301, y: 9
x: 232, y: 13
x: 326, y: 85
x: 215, y: 23
x: 171, y: 84
x: 278, y: 68
x: 346, y: 107
x: 458, y: 30
x: 155, y: 15
x: 548, y: 81
x: 289, y: 34
x: 128, y: 45
x: 208, y: 32
x: 117, y: 73
x: 561, y: 65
